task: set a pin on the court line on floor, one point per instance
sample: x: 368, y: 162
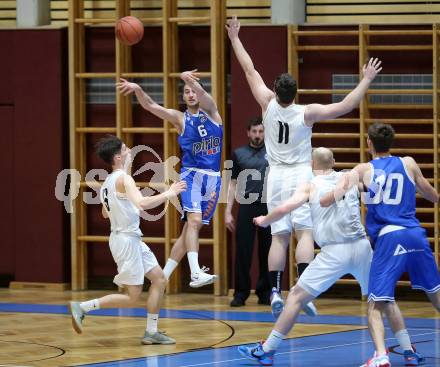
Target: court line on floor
x: 133, y: 361
x: 302, y: 350
x: 197, y: 350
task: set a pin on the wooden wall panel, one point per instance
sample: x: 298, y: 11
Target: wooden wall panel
x: 7, y: 248
x: 251, y: 11
x: 372, y: 11
x: 40, y: 152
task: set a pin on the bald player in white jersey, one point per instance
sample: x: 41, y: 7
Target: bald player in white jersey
x: 288, y: 132
x: 121, y: 203
x: 345, y: 249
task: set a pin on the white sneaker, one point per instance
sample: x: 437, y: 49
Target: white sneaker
x: 310, y: 309
x: 378, y: 361
x: 202, y: 278
x: 276, y: 303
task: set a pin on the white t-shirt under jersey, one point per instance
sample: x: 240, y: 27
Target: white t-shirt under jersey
x: 123, y: 214
x: 339, y: 223
x: 287, y: 138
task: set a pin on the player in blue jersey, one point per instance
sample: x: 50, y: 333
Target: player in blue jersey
x: 200, y: 138
x: 400, y: 242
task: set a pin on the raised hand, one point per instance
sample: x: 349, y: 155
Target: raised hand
x: 190, y: 76
x: 233, y: 27
x: 259, y: 221
x: 371, y: 69
x: 125, y: 87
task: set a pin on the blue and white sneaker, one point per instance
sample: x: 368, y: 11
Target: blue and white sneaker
x: 276, y: 303
x: 257, y: 354
x: 378, y: 361
x: 412, y: 358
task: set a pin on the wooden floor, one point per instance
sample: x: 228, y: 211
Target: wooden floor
x: 47, y: 339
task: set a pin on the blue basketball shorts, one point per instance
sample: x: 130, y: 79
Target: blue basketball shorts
x: 397, y: 252
x: 202, y: 193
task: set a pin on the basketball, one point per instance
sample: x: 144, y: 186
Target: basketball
x: 129, y: 30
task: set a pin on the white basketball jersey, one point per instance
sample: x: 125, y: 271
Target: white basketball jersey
x: 123, y: 214
x: 339, y: 223
x: 288, y: 140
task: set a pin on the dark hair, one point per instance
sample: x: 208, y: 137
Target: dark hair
x: 107, y: 147
x: 285, y: 88
x: 382, y: 137
x: 254, y: 121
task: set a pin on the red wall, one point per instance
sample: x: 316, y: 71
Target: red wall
x: 34, y: 122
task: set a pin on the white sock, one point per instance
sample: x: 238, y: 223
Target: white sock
x: 403, y: 337
x: 273, y: 341
x: 152, y: 320
x: 91, y: 305
x: 193, y: 259
x: 169, y: 267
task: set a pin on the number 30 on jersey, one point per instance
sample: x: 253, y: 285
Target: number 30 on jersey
x: 388, y: 190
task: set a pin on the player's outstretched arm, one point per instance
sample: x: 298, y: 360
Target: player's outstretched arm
x: 422, y: 184
x: 148, y: 202
x: 175, y: 117
x: 354, y: 177
x: 300, y: 197
x: 260, y: 91
x: 206, y: 101
x: 318, y: 112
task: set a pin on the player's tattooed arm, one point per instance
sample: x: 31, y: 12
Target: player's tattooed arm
x: 301, y: 196
x: 423, y: 186
x: 318, y: 112
x: 206, y: 101
x: 175, y: 117
x: 260, y: 91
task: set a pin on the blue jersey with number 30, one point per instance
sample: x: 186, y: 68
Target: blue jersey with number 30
x: 391, y: 196
x: 201, y: 142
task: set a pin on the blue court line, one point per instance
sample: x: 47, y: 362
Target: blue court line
x: 211, y: 315
x: 342, y: 349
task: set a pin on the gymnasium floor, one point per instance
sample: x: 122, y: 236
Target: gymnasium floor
x: 35, y: 330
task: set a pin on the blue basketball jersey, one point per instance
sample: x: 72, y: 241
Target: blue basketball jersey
x: 201, y: 142
x: 391, y: 196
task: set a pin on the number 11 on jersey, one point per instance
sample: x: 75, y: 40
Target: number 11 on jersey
x: 283, y: 134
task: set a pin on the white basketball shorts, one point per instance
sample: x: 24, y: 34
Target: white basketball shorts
x: 333, y: 262
x: 282, y: 182
x: 133, y: 258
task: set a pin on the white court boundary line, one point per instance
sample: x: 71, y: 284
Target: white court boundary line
x: 303, y: 350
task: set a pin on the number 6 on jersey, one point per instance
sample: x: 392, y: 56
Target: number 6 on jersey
x: 202, y: 130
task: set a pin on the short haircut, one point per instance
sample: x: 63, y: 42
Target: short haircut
x: 254, y: 121
x: 323, y: 157
x: 382, y: 137
x: 285, y: 88
x: 107, y: 147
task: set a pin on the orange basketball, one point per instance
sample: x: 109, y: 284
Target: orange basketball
x: 129, y: 30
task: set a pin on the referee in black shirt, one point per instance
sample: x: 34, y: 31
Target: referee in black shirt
x: 249, y: 162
